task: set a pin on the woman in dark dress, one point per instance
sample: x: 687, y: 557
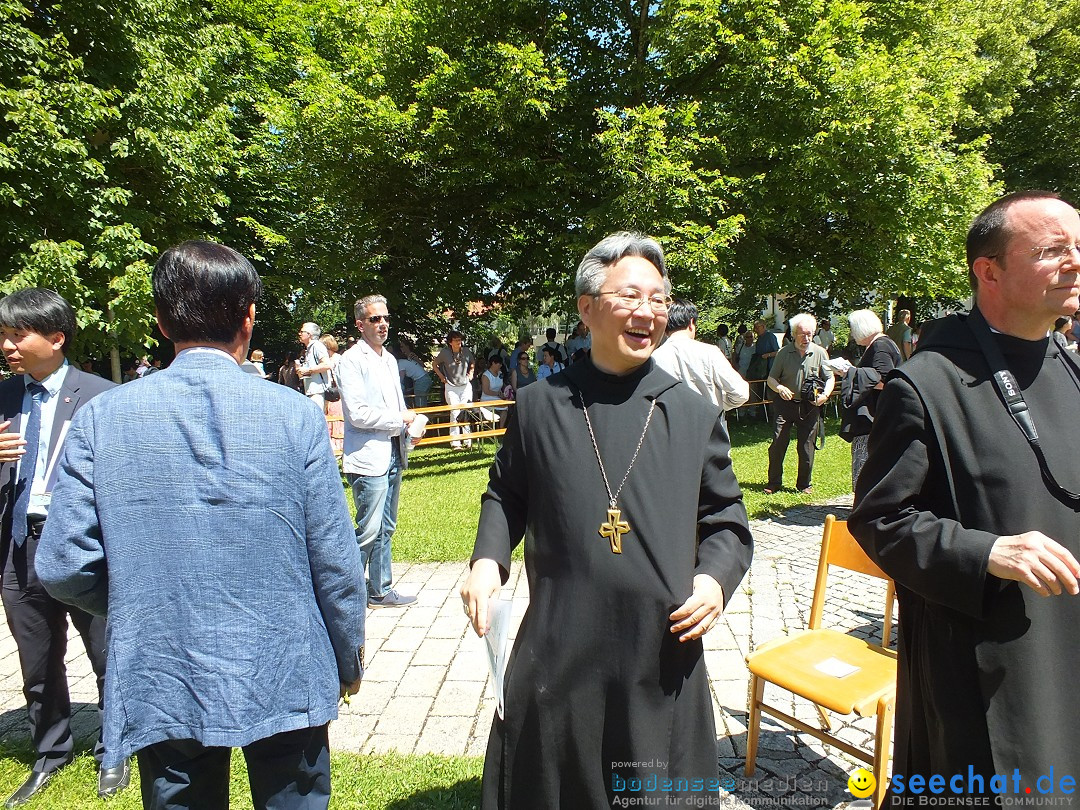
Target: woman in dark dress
x: 619, y: 480
x: 880, y: 356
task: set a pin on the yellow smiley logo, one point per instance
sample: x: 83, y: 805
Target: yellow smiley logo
x: 861, y: 783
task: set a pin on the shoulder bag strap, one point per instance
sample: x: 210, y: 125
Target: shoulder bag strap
x: 1013, y: 399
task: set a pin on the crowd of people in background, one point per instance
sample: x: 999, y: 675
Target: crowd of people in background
x: 750, y: 350
x: 736, y: 368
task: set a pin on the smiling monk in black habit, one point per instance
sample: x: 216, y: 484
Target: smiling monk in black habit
x: 619, y: 479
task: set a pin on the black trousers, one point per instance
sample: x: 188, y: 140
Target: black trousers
x: 806, y: 427
x: 287, y: 771
x: 39, y: 626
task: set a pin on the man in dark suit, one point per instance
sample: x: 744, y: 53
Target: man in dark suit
x: 36, y: 405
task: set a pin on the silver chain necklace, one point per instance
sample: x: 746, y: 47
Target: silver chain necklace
x: 615, y: 527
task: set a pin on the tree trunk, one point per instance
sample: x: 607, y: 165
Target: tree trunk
x: 114, y: 349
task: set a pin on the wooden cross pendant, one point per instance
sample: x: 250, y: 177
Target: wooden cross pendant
x: 614, y: 529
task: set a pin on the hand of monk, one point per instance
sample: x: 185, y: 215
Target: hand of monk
x: 483, y: 582
x: 12, y: 445
x: 1044, y: 565
x: 699, y: 613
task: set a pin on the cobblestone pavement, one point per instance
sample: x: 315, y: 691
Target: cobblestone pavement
x: 426, y: 687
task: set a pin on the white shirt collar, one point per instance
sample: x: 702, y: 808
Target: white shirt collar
x: 202, y: 349
x: 53, y: 382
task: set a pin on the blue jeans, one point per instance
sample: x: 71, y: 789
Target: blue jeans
x: 376, y: 499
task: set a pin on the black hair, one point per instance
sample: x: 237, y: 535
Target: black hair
x: 203, y: 291
x: 723, y: 330
x: 454, y: 334
x: 39, y: 310
x: 550, y: 333
x: 495, y: 359
x: 680, y: 314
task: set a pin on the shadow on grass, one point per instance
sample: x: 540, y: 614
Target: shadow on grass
x: 15, y: 732
x: 464, y: 465
x: 463, y: 795
x: 443, y: 462
x: 788, y: 506
x: 16, y: 748
x: 75, y: 785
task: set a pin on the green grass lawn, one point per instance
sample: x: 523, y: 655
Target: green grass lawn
x: 440, y: 501
x: 382, y: 782
x: 440, y: 494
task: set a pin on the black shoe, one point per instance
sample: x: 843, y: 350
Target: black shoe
x: 34, y: 782
x: 112, y: 780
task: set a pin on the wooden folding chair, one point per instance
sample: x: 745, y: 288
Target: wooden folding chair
x: 796, y: 663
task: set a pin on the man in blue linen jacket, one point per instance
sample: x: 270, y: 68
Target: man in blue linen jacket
x: 227, y: 566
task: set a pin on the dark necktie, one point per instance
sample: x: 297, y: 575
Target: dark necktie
x: 31, y: 433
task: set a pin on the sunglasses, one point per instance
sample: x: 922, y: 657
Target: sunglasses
x: 378, y: 319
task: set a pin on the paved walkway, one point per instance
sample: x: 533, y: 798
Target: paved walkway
x: 426, y: 687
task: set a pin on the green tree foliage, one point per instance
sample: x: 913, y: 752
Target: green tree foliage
x: 444, y: 153
x: 115, y: 133
x: 414, y: 143
x: 839, y: 125
x: 1036, y: 146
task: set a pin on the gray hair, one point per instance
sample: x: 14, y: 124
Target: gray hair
x: 593, y: 270
x: 864, y: 323
x: 803, y: 319
x: 312, y: 329
x: 360, y: 310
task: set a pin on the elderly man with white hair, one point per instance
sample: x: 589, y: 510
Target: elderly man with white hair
x: 798, y: 363
x: 862, y: 383
x: 314, y: 364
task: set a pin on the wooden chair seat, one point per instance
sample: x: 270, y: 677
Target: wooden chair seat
x: 792, y: 663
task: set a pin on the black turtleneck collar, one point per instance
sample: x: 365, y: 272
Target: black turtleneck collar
x: 647, y: 380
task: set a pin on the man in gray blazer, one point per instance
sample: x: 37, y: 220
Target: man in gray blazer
x: 36, y: 408
x: 227, y: 566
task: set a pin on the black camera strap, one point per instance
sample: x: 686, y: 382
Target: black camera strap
x: 1009, y: 391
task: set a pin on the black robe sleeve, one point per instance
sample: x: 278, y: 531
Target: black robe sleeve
x: 725, y: 546
x: 903, y: 514
x: 504, y: 506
